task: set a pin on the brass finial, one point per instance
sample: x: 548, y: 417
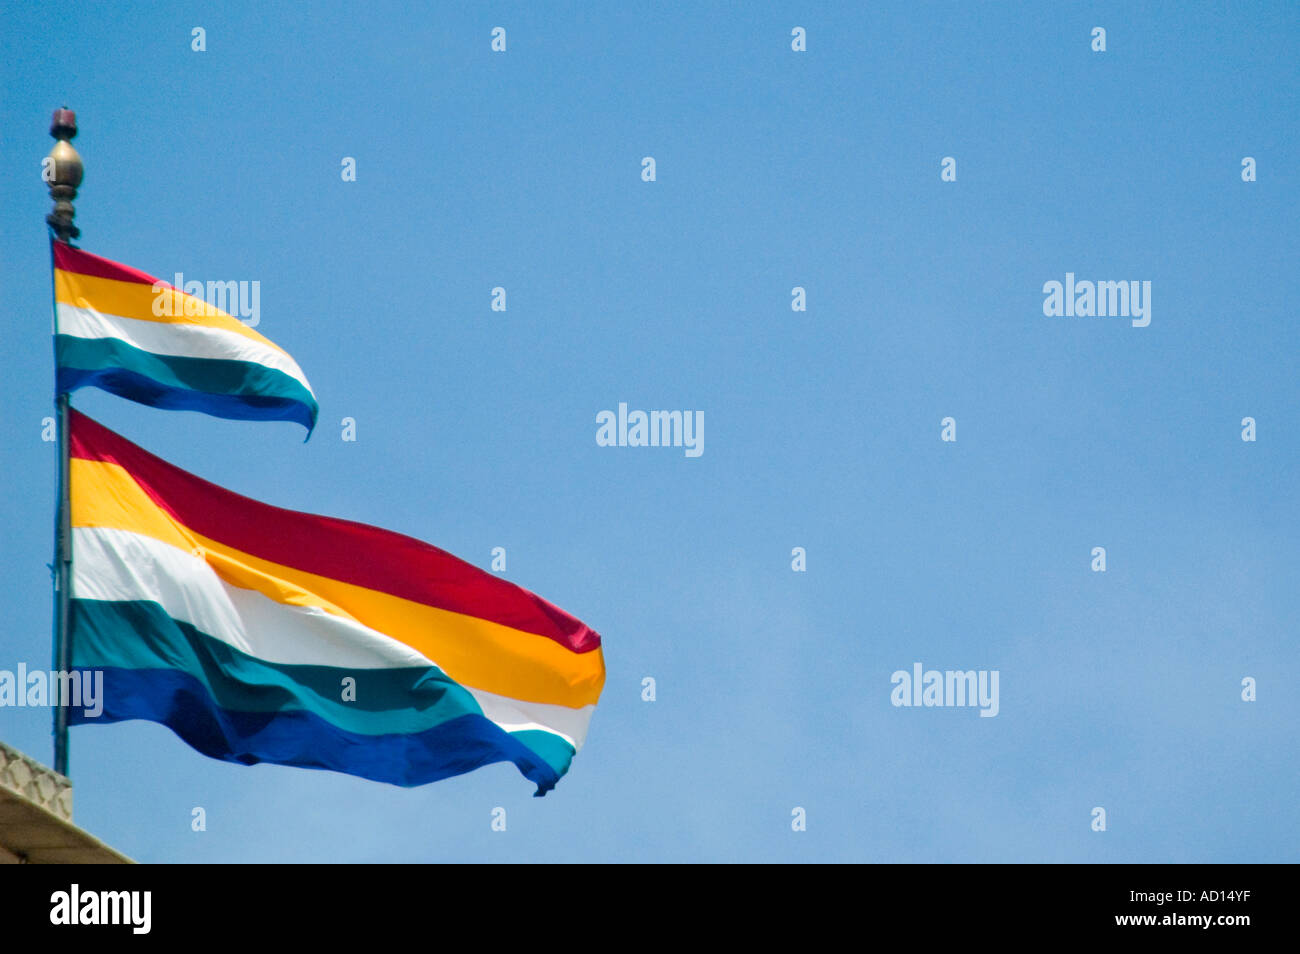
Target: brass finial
x: 63, y: 170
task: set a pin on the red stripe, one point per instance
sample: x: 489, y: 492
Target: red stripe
x: 71, y: 259
x: 340, y: 549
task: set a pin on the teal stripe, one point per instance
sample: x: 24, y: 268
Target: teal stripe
x: 139, y: 635
x: 553, y: 750
x: 209, y: 375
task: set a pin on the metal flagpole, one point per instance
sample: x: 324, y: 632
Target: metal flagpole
x: 62, y: 170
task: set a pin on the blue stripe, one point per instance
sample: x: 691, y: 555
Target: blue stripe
x: 296, y: 737
x: 145, y: 390
x: 138, y: 634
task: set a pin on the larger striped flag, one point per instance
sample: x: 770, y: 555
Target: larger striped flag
x: 265, y: 635
x: 121, y: 330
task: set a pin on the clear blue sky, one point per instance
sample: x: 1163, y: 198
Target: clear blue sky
x: 477, y: 429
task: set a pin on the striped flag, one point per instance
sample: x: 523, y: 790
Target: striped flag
x: 264, y: 635
x: 137, y: 337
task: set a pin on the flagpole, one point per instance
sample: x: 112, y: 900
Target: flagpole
x: 62, y: 170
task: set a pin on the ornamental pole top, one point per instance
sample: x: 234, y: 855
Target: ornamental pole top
x: 62, y: 171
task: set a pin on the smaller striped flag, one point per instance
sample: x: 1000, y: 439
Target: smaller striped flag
x: 130, y: 334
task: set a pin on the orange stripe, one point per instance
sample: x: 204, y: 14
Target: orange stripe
x: 134, y: 300
x: 475, y: 652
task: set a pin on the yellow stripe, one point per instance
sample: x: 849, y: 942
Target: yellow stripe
x: 475, y: 652
x: 136, y: 300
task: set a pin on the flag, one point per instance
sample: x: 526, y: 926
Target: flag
x: 259, y: 634
x: 137, y: 337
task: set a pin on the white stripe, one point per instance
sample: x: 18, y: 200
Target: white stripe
x: 112, y: 564
x: 174, y: 339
